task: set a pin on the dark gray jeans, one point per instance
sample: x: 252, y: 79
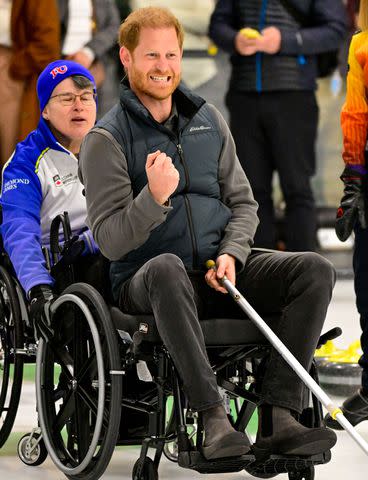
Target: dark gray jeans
x: 296, y: 285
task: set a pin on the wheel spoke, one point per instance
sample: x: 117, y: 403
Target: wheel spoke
x: 65, y: 413
x: 88, y: 369
x: 90, y: 399
x: 83, y: 426
x: 63, y: 358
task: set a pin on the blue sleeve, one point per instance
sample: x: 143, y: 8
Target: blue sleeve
x: 222, y: 29
x: 21, y: 202
x: 329, y: 24
x: 91, y: 246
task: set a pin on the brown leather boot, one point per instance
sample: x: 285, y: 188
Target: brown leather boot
x: 221, y: 440
x: 280, y: 433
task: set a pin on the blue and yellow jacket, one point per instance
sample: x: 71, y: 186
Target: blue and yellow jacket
x: 39, y: 182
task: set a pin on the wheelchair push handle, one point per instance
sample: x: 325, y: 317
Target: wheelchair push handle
x: 59, y: 220
x: 333, y: 409
x: 330, y: 335
x: 71, y: 248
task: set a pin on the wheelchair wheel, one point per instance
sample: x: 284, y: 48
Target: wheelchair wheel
x: 171, y: 451
x: 11, y: 364
x: 148, y: 470
x: 31, y: 449
x: 79, y: 418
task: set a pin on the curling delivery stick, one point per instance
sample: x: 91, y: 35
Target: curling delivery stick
x: 333, y: 410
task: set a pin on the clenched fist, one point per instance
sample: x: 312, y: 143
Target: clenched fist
x: 163, y: 177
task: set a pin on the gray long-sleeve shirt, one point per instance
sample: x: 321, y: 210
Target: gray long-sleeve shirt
x: 121, y: 223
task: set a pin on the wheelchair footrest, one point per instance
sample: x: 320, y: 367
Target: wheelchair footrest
x: 286, y: 463
x: 194, y: 460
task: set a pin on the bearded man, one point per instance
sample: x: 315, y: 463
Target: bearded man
x: 165, y: 192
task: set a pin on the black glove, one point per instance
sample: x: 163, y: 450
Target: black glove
x: 41, y: 298
x: 353, y: 203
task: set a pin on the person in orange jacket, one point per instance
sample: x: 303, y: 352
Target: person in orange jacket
x: 352, y: 213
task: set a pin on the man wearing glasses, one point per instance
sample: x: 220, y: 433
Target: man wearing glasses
x: 40, y: 180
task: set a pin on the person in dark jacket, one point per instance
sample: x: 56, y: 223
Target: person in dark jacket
x: 272, y: 104
x: 165, y: 192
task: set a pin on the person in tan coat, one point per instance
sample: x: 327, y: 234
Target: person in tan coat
x: 30, y: 41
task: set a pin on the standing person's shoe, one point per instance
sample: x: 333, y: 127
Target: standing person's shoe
x: 279, y: 433
x: 355, y: 409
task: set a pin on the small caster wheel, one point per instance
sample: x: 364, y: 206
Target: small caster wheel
x: 148, y: 470
x: 306, y: 474
x: 171, y: 451
x: 31, y: 449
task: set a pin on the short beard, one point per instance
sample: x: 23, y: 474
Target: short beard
x: 140, y: 87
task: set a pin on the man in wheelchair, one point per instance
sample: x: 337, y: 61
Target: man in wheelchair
x: 165, y: 192
x: 40, y: 180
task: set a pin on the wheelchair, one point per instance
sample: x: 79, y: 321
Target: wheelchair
x: 105, y: 379
x: 17, y: 343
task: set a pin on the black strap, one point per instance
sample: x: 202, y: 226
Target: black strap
x: 297, y: 14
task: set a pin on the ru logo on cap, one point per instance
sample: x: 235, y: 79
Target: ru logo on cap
x: 62, y: 69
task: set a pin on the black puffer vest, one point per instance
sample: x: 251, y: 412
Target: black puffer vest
x: 195, y: 225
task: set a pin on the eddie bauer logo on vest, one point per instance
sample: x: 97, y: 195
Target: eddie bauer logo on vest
x: 202, y: 127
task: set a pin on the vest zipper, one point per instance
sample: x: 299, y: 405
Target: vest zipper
x: 188, y: 209
x: 181, y: 156
x: 260, y: 55
x: 192, y: 235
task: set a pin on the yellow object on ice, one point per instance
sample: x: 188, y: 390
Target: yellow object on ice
x: 350, y: 355
x: 327, y: 350
x: 250, y: 33
x: 333, y: 354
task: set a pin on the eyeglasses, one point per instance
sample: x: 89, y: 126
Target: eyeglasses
x: 69, y: 99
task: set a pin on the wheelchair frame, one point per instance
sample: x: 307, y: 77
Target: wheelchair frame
x: 80, y: 418
x: 235, y: 373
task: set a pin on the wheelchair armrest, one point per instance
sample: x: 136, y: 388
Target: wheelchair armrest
x: 330, y: 335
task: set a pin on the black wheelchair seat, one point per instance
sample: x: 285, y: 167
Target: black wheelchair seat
x: 227, y: 331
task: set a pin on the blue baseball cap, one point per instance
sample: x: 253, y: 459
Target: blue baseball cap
x: 55, y: 73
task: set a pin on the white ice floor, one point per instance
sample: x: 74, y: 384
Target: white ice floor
x: 348, y: 461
